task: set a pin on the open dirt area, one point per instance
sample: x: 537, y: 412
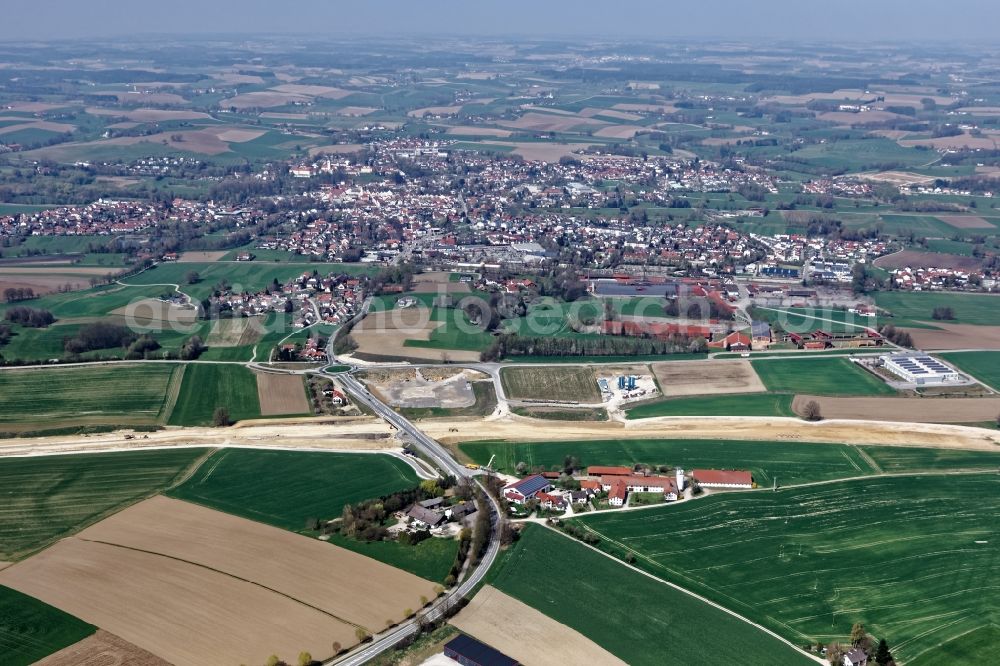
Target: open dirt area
x: 543, y: 151
x: 916, y: 259
x: 42, y: 285
x: 201, y: 257
x: 38, y: 125
x: 472, y: 130
x: 954, y: 142
x: 524, y: 429
x: 848, y: 118
x: 915, y: 410
x: 679, y: 378
x: 187, y: 615
x: 281, y: 394
x: 262, y: 100
x: 549, y: 122
x: 620, y: 131
x: 149, y: 115
x: 965, y: 221
x: 591, y: 112
x: 102, y: 649
x: 646, y: 108
x: 336, y: 149
x: 150, y: 310
x: 197, y: 586
x: 234, y: 332
x: 314, y: 91
x: 899, y: 177
x: 385, y: 334
x: 955, y: 336
x: 238, y: 134
x: 521, y: 632
x: 419, y: 390
x: 354, y: 111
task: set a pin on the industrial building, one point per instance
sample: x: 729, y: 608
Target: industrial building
x: 921, y: 369
x: 470, y: 652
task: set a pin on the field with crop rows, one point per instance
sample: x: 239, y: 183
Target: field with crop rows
x: 210, y: 385
x: 31, y: 629
x: 285, y: 488
x: 111, y: 394
x: 910, y: 557
x: 635, y: 618
x: 819, y: 376
x: 47, y: 497
x: 568, y: 384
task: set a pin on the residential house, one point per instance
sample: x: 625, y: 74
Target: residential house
x: 856, y: 657
x: 424, y: 518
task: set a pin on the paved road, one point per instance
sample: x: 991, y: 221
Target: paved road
x: 442, y: 458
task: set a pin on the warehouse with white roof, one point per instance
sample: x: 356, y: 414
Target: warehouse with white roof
x: 921, y: 369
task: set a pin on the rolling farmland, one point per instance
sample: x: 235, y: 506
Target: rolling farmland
x: 908, y: 556
x: 285, y: 488
x: 31, y: 629
x: 627, y: 613
x: 568, y: 384
x: 48, y: 497
x: 208, y: 386
x: 911, y: 308
x: 92, y: 395
x: 819, y: 376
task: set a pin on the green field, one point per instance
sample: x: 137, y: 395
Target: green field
x: 565, y: 384
x: 909, y: 307
x: 120, y: 394
x: 430, y: 559
x: 983, y: 365
x: 911, y: 557
x: 48, y: 497
x: 635, y: 618
x: 788, y: 462
x: 818, y: 376
x: 31, y: 629
x: 210, y: 385
x: 285, y: 488
x: 748, y: 404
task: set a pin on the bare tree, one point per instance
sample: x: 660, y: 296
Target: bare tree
x: 812, y: 411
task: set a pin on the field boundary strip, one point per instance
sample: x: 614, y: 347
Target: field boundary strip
x: 172, y: 393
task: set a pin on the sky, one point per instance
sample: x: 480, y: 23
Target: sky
x: 747, y: 20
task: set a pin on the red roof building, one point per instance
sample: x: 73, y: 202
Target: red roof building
x: 598, y: 470
x: 717, y: 478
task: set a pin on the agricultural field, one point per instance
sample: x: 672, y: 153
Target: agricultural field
x: 207, y: 386
x: 305, y: 484
x: 526, y: 634
x: 915, y: 308
x: 106, y: 395
x: 281, y: 395
x: 551, y: 384
x: 907, y: 556
x: 819, y: 376
x: 626, y: 613
x: 748, y: 404
x: 31, y: 630
x: 706, y: 377
x: 983, y: 365
x: 193, y: 585
x: 48, y: 497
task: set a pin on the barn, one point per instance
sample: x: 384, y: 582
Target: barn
x: 717, y: 478
x: 470, y: 652
x: 523, y: 490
